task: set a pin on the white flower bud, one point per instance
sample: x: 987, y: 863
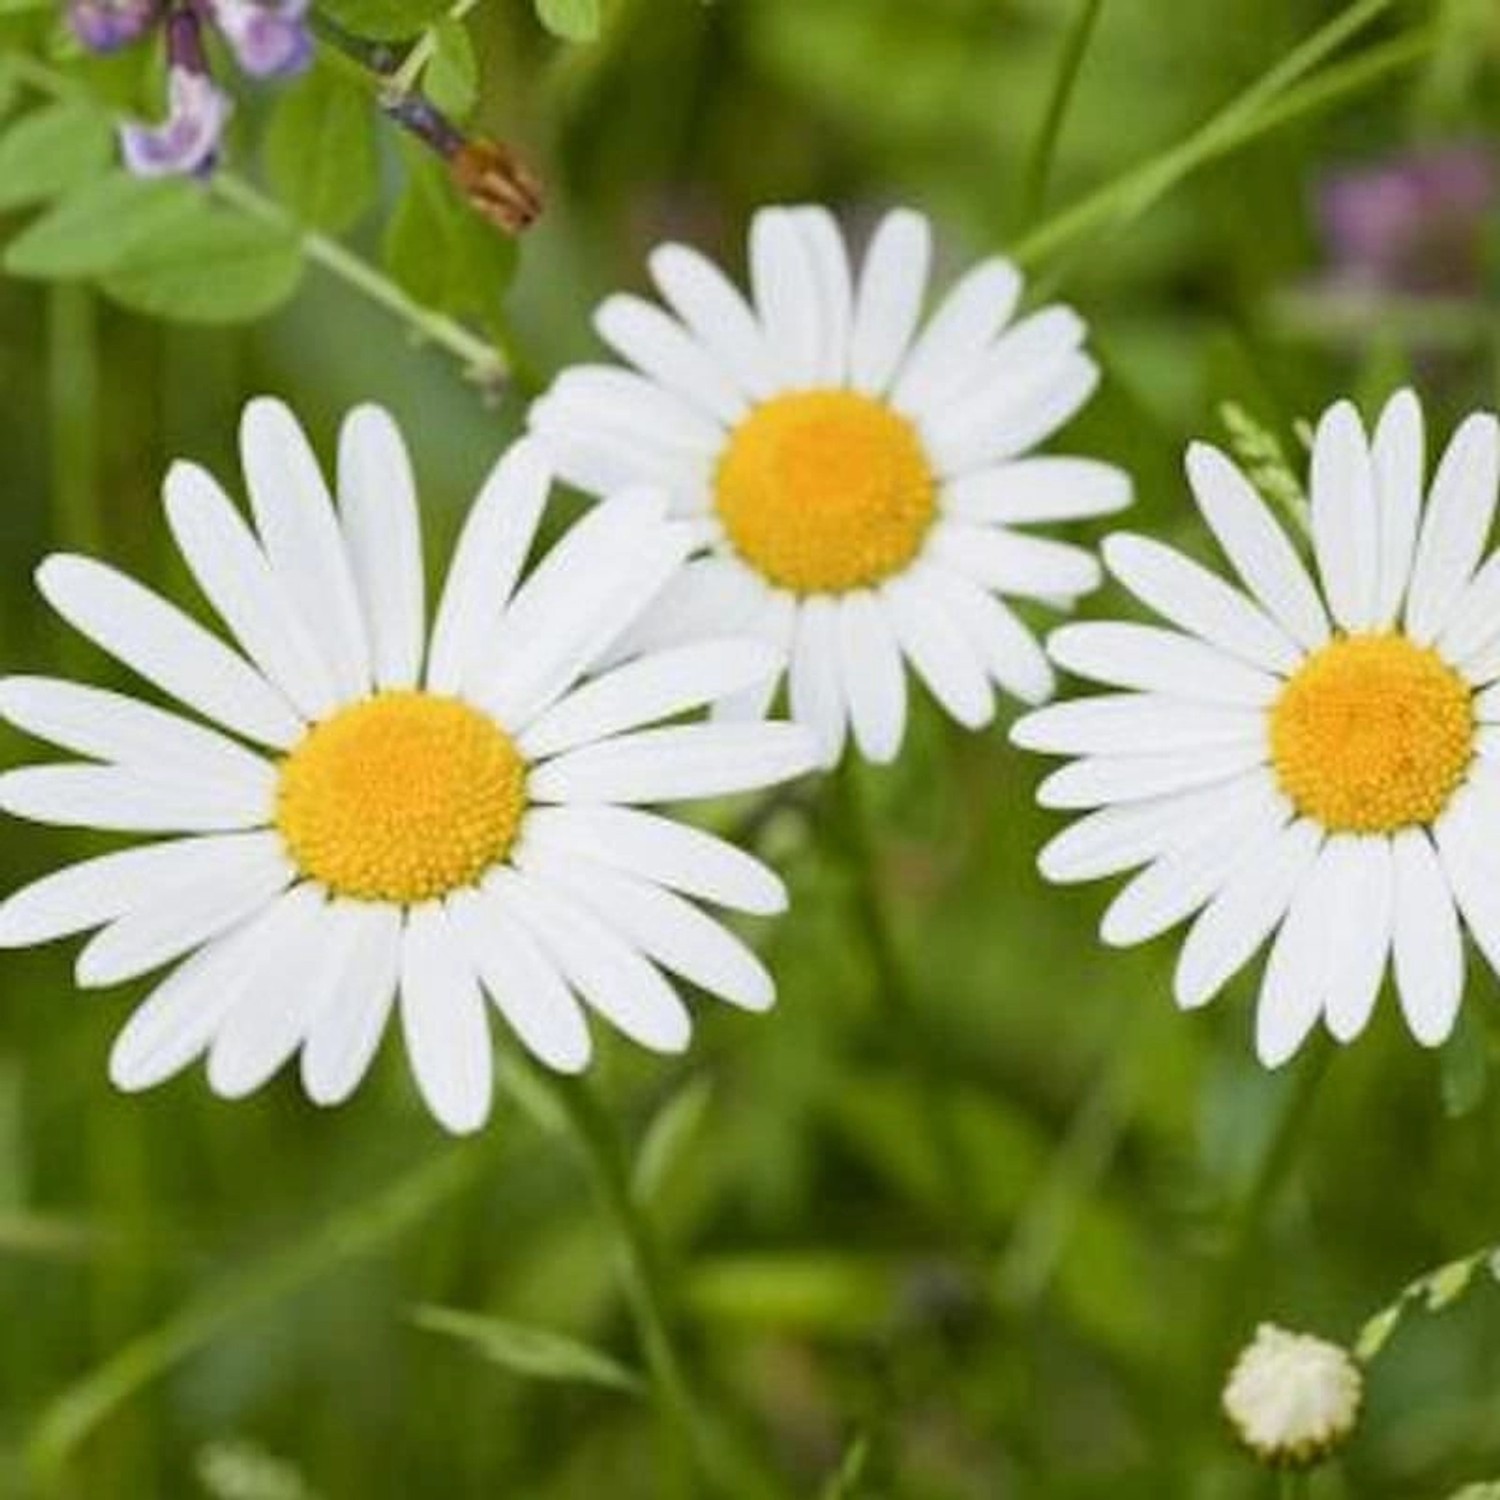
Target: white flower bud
x: 1293, y: 1398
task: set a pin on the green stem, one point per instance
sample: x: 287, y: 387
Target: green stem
x: 414, y: 64
x: 1075, y: 48
x: 645, y: 1281
x: 1294, y: 1485
x: 934, y: 1096
x: 73, y: 409
x: 1266, y: 103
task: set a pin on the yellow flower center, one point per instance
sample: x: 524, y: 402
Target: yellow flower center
x: 1373, y: 733
x: 401, y: 798
x: 824, y: 491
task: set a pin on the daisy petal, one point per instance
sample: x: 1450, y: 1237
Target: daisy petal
x: 1256, y: 546
x: 716, y: 315
x: 774, y: 621
x: 295, y: 518
x: 1296, y: 977
x: 444, y: 1022
x: 1399, y: 450
x: 1039, y: 489
x: 1466, y: 849
x: 609, y: 974
x: 657, y: 849
x: 232, y: 571
x: 602, y: 460
x: 1007, y: 650
x: 491, y: 552
x: 892, y: 284
x: 784, y: 278
x: 1199, y: 603
x: 1024, y: 567
x: 1358, y: 917
x: 159, y: 643
x: 873, y: 679
x: 1459, y: 513
x: 127, y: 801
x: 830, y: 263
x: 1119, y: 724
x: 937, y: 647
x: 1345, y: 519
x: 1473, y: 629
x: 1152, y: 660
x: 345, y: 1032
x: 383, y: 540
x: 636, y: 409
x: 670, y: 931
x: 1099, y: 780
x: 709, y: 598
x: 659, y: 347
x: 1245, y: 912
x: 523, y: 982
x: 679, y: 764
x: 814, y: 682
x: 1428, y: 948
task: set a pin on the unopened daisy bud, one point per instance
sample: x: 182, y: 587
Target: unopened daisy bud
x: 187, y: 142
x: 499, y: 186
x: 109, y: 25
x: 269, y: 38
x: 1292, y: 1398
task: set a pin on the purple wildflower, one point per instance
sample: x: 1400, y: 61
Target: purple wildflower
x: 269, y: 38
x: 187, y: 142
x: 109, y: 25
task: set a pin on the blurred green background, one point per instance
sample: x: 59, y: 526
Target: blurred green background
x: 1047, y: 1306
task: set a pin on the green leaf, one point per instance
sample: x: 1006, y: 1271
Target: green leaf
x: 215, y: 266
x: 1374, y: 1336
x: 441, y: 251
x: 51, y: 151
x: 383, y: 20
x: 1448, y: 1283
x: 573, y: 20
x: 94, y: 228
x: 669, y: 1135
x: 536, y: 1353
x: 321, y: 151
x: 452, y: 77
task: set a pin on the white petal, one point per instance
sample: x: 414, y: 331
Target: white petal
x: 1473, y: 629
x: 1428, y: 948
x: 1007, y: 650
x: 444, y: 1022
x: 1296, y: 977
x: 1199, y: 603
x: 1345, y: 519
x: 1246, y: 910
x: 1192, y: 873
x: 295, y: 518
x: 601, y: 459
x: 873, y: 678
x: 716, y: 315
x: 127, y: 801
x: 667, y: 929
x: 940, y: 652
x: 784, y: 279
x: 1256, y: 546
x: 1039, y: 489
x: 1459, y: 513
x: 1400, y: 458
x: 1128, y: 834
x: 952, y: 345
x: 609, y: 974
x: 774, y: 621
x: 1099, y: 780
x: 815, y: 686
x: 660, y: 850
x: 709, y: 598
x: 159, y: 642
x: 383, y: 538
x: 648, y: 689
x: 1466, y: 847
x: 835, y: 291
x: 292, y: 987
x: 110, y: 727
x: 634, y: 408
x: 1025, y: 567
x: 678, y: 764
x: 491, y: 553
x: 892, y: 285
x: 229, y: 566
x: 230, y: 880
x: 87, y: 895
x: 344, y: 1034
x: 1152, y: 660
x: 1358, y: 916
x: 177, y: 1021
x: 1137, y: 724
x: 523, y: 982
x: 658, y: 346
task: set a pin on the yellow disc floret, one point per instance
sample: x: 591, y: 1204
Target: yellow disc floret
x: 401, y: 798
x: 825, y: 491
x: 1372, y: 734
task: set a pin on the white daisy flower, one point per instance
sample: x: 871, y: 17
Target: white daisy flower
x: 418, y: 822
x: 1292, y: 1398
x: 1320, y: 761
x: 862, y: 484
